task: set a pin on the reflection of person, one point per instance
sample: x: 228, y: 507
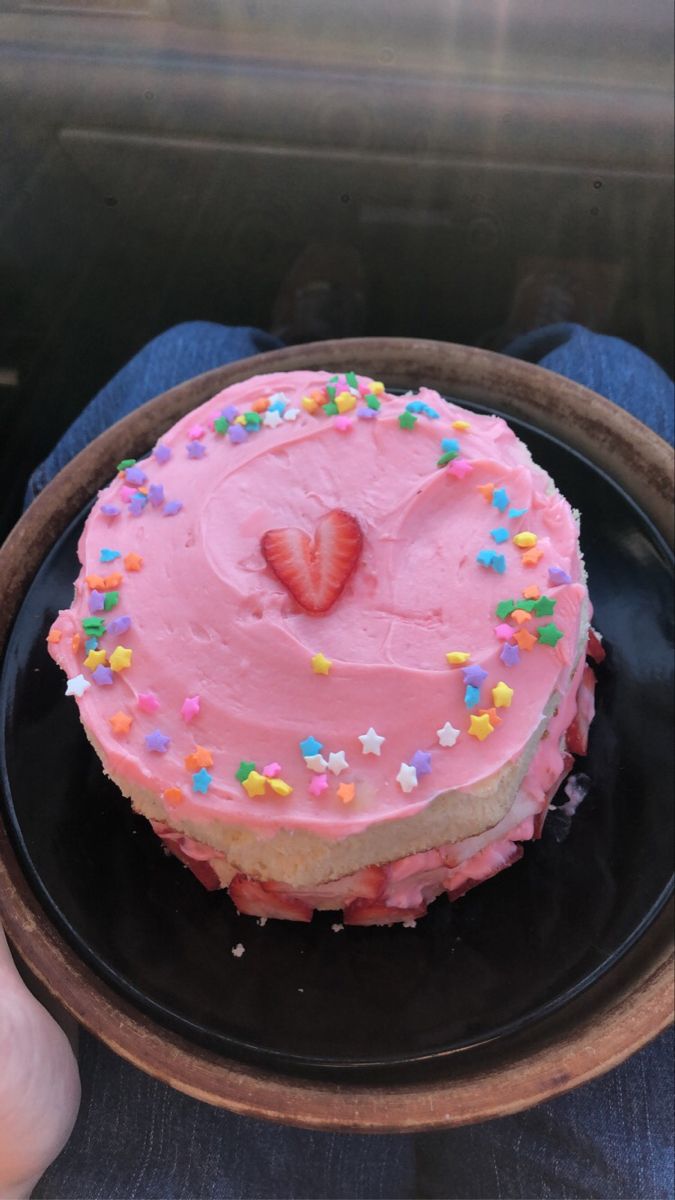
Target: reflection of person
x: 136, y: 1137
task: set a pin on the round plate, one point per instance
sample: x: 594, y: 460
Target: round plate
x: 471, y: 984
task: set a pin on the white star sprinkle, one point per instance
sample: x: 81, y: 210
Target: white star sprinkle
x: 77, y: 686
x: 272, y: 418
x: 291, y: 414
x: 337, y: 762
x: 371, y: 742
x: 448, y: 735
x: 407, y: 777
x: 316, y: 762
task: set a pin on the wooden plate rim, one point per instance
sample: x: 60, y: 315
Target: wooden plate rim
x: 617, y: 1024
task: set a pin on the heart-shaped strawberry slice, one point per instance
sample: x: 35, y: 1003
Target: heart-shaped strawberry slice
x: 315, y: 570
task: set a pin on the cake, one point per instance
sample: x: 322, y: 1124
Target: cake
x: 332, y: 643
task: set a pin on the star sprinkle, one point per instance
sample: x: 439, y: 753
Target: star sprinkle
x: 120, y: 723
x: 310, y: 746
x: 90, y: 644
x: 502, y: 695
x: 337, y: 763
x: 487, y: 491
x: 157, y: 742
x: 133, y: 561
x: 520, y: 615
x: 510, y: 655
x: 237, y: 434
x: 110, y: 510
x: 447, y: 734
x: 120, y: 659
x: 189, y: 709
x: 525, y: 540
x: 366, y: 413
x: 135, y: 475
x: 532, y: 592
x: 491, y: 713
x: 280, y: 787
x: 549, y: 635
x: 544, y: 606
x: 457, y: 657
x: 195, y: 450
x: 421, y: 761
x: 230, y: 412
x: 278, y: 402
x: 481, y: 727
x: 291, y: 414
x: 318, y: 785
x: 137, y: 504
x: 271, y: 770
x: 243, y: 770
x: 474, y: 675
x: 450, y: 445
x: 463, y: 426
x: 504, y: 632
x: 500, y: 499
x: 343, y: 423
x: 107, y: 556
x: 531, y: 557
x: 371, y: 742
x: 200, y: 757
x: 119, y: 626
x: 485, y: 557
x: 172, y: 507
x: 471, y: 696
x: 321, y: 665
x: 524, y: 639
x: 517, y: 512
x: 346, y: 792
x: 94, y: 626
x: 102, y: 676
x: 201, y: 781
x: 156, y: 494
x: 316, y: 763
x: 556, y: 576
x: 254, y: 784
x: 505, y: 608
x: 54, y: 637
x: 500, y: 534
x: 162, y: 453
x: 407, y: 777
x: 173, y: 796
x: 147, y: 702
x: 407, y: 420
x: 195, y: 432
x: 460, y: 468
x: 272, y: 418
x: 111, y: 600
x: 96, y: 601
x: 77, y: 686
x: 94, y: 659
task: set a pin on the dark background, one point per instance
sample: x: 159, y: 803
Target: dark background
x: 495, y: 165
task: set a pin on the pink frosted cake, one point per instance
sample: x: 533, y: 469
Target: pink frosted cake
x: 332, y: 644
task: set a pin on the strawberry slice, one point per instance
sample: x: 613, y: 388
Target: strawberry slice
x: 258, y: 899
x: 594, y: 647
x: 200, y: 868
x: 315, y: 570
x: 376, y: 912
x: 576, y: 738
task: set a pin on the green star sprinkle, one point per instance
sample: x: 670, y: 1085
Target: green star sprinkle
x: 373, y: 402
x: 407, y: 420
x: 93, y: 626
x: 352, y: 381
x: 544, y: 606
x: 447, y: 457
x: 244, y: 770
x: 125, y: 463
x: 253, y: 418
x: 331, y: 391
x: 527, y: 605
x: 331, y: 408
x: 221, y: 425
x: 505, y: 608
x: 549, y: 635
x: 110, y: 600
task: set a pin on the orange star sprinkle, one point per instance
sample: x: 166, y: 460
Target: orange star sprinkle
x: 173, y: 796
x: 133, y: 561
x: 532, y: 592
x: 198, y: 759
x: 95, y: 581
x: 520, y: 615
x: 54, y: 637
x: 491, y: 713
x: 112, y: 581
x: 346, y: 792
x: 121, y: 723
x: 260, y: 405
x: 525, y: 640
x: 487, y: 490
x: 75, y: 642
x: 531, y: 557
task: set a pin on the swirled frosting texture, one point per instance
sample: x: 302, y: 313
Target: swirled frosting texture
x: 209, y: 619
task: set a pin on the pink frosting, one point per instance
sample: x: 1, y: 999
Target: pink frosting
x: 210, y: 620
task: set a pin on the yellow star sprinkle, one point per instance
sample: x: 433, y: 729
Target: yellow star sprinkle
x: 120, y: 658
x: 376, y: 388
x: 240, y: 420
x: 309, y: 404
x: 94, y: 659
x: 346, y: 792
x: 525, y: 540
x: 481, y: 727
x: 457, y: 657
x: 254, y: 784
x: 321, y: 665
x: 345, y: 402
x: 502, y: 695
x: 463, y: 426
x: 277, y: 785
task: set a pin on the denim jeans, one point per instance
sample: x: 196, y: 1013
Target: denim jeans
x: 135, y: 1137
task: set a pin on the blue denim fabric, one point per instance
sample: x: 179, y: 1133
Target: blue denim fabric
x: 135, y: 1138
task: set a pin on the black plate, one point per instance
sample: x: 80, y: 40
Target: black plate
x: 303, y: 998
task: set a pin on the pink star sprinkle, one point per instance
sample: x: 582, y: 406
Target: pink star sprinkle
x: 195, y: 432
x: 460, y: 467
x: 504, y: 632
x: 272, y: 770
x: 343, y: 423
x: 318, y: 785
x: 148, y: 702
x: 126, y: 493
x: 190, y: 708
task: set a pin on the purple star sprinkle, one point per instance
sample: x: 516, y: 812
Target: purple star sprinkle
x: 157, y: 742
x: 237, y: 433
x: 474, y: 675
x: 119, y: 625
x: 96, y: 601
x: 156, y: 494
x: 510, y: 655
x: 230, y: 412
x: 137, y: 504
x: 195, y: 450
x: 136, y: 476
x: 421, y: 761
x: 557, y: 576
x: 103, y: 676
x: 110, y: 510
x: 366, y: 413
x: 162, y: 453
x: 172, y: 507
